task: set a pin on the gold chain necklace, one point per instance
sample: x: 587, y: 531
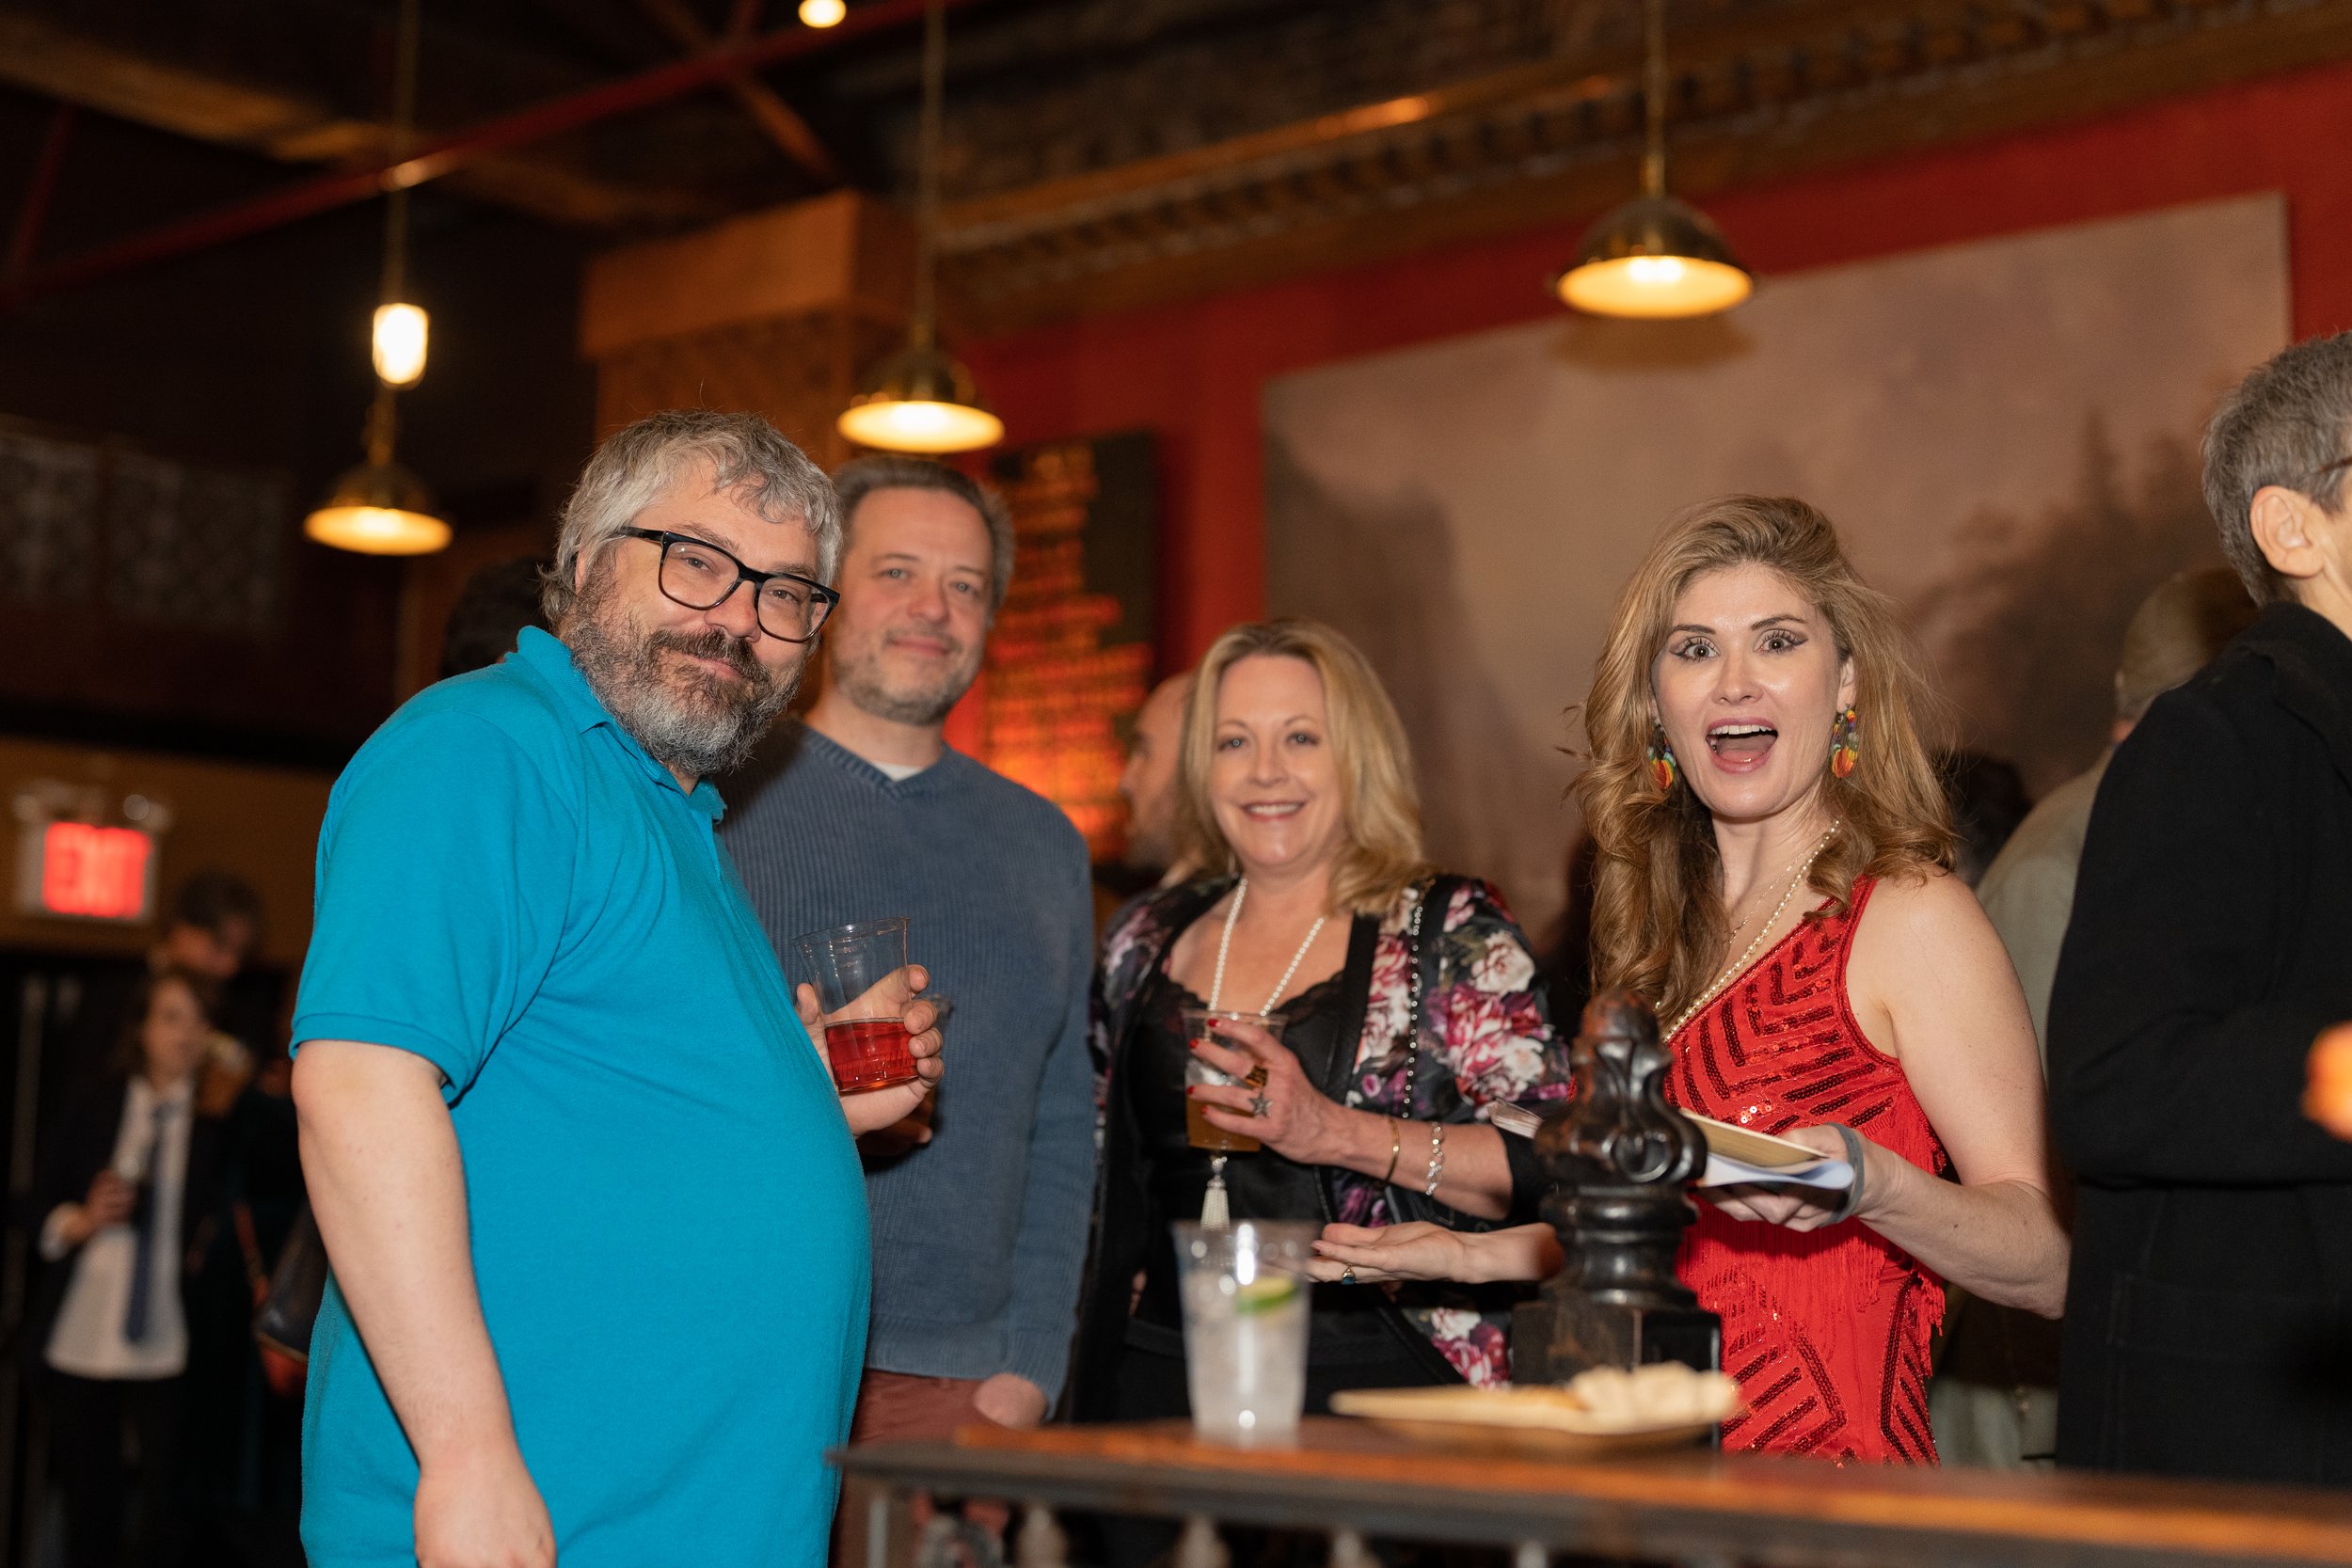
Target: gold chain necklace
x: 1739, y: 964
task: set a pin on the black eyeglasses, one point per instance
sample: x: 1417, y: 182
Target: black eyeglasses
x: 701, y: 575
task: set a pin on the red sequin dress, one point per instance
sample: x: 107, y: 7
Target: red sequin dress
x: 1827, y: 1331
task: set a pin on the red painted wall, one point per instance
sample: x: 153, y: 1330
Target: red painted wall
x: 1192, y: 372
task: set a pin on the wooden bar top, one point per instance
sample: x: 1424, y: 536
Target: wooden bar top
x: 1634, y: 1504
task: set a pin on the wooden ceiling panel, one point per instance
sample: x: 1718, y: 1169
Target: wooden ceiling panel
x: 1785, y: 88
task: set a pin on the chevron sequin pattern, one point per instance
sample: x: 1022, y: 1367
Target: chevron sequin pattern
x: 1826, y: 1332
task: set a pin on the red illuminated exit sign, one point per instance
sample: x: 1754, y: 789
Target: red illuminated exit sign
x: 91, y: 873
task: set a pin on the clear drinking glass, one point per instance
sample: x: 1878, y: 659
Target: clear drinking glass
x: 1245, y: 1290
x: 865, y: 1040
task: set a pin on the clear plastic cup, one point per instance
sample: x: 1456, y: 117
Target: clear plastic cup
x: 1245, y: 1292
x: 1211, y: 1024
x: 865, y: 1040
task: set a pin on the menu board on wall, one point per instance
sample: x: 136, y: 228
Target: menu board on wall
x: 1070, y: 657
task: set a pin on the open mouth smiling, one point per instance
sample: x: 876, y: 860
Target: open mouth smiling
x: 1741, y: 740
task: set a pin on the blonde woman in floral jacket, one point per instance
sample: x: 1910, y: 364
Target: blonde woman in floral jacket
x: 1294, y: 785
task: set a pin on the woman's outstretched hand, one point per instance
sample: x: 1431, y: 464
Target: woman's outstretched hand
x: 1298, y: 1122
x: 1353, y: 1254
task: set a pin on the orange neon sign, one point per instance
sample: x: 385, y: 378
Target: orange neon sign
x: 97, y: 872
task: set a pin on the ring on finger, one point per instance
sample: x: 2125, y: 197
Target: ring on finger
x: 1259, y: 1105
x: 1347, y: 1275
x: 1255, y: 1077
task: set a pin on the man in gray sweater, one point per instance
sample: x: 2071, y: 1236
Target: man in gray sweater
x: 862, y: 812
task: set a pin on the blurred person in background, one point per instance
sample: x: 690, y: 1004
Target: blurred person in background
x: 496, y: 604
x: 212, y: 927
x: 1995, y: 1398
x: 1987, y: 796
x: 1149, y: 782
x: 2029, y: 890
x: 2208, y: 949
x: 240, y: 1457
x: 128, y: 1182
x: 863, y: 811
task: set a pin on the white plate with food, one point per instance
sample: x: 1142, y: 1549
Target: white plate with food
x: 1607, y: 1410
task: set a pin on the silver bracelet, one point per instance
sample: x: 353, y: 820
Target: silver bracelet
x: 1436, y: 1158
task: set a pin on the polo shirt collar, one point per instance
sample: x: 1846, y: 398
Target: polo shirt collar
x: 549, y: 658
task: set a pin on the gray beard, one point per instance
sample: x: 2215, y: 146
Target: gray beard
x: 711, y: 731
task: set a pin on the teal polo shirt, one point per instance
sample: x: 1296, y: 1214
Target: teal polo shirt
x: 669, y: 1223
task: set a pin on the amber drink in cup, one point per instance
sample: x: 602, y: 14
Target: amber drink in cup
x: 1214, y: 1025
x: 866, y: 1039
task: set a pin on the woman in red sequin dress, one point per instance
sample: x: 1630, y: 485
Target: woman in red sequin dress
x: 1773, y: 876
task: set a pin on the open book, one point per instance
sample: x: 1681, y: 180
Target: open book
x: 1736, y: 1156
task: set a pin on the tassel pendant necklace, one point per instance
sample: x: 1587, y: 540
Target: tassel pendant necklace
x: 1216, y: 1212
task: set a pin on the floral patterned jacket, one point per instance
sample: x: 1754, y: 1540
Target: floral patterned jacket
x: 1485, y: 1035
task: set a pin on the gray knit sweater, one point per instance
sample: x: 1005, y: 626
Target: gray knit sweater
x: 980, y: 1234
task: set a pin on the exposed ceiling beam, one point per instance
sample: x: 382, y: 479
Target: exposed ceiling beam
x: 1801, y: 86
x: 443, y: 155
x: 43, y: 58
x: 777, y: 120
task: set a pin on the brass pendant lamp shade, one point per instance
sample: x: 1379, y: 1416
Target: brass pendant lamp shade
x: 922, y: 399
x: 1656, y: 258
x: 380, y: 508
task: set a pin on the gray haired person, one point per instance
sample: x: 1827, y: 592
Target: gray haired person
x: 2212, y: 928
x: 596, y: 1216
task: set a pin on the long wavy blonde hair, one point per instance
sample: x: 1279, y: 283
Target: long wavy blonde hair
x: 1378, y: 803
x: 1658, y: 925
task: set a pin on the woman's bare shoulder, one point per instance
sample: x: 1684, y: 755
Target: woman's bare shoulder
x: 1922, y: 904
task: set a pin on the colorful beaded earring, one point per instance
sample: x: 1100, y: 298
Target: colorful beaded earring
x: 1662, y: 762
x: 1845, y: 743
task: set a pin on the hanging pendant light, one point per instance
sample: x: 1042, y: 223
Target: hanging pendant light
x: 921, y: 399
x: 1655, y: 258
x: 380, y: 508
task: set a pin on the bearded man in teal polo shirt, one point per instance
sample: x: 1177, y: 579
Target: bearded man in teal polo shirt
x: 596, y: 1215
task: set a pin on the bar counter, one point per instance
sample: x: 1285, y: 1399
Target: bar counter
x: 1690, y: 1507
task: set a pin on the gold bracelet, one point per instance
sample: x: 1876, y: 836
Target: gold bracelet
x: 1396, y: 1142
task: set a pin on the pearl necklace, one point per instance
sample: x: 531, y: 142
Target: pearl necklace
x: 1739, y: 964
x: 1225, y: 943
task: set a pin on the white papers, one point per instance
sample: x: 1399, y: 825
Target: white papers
x: 1724, y: 1171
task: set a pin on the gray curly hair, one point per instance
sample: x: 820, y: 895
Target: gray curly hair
x: 747, y: 456
x: 2285, y: 424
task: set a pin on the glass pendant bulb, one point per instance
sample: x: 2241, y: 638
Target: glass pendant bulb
x: 400, y: 336
x: 822, y: 13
